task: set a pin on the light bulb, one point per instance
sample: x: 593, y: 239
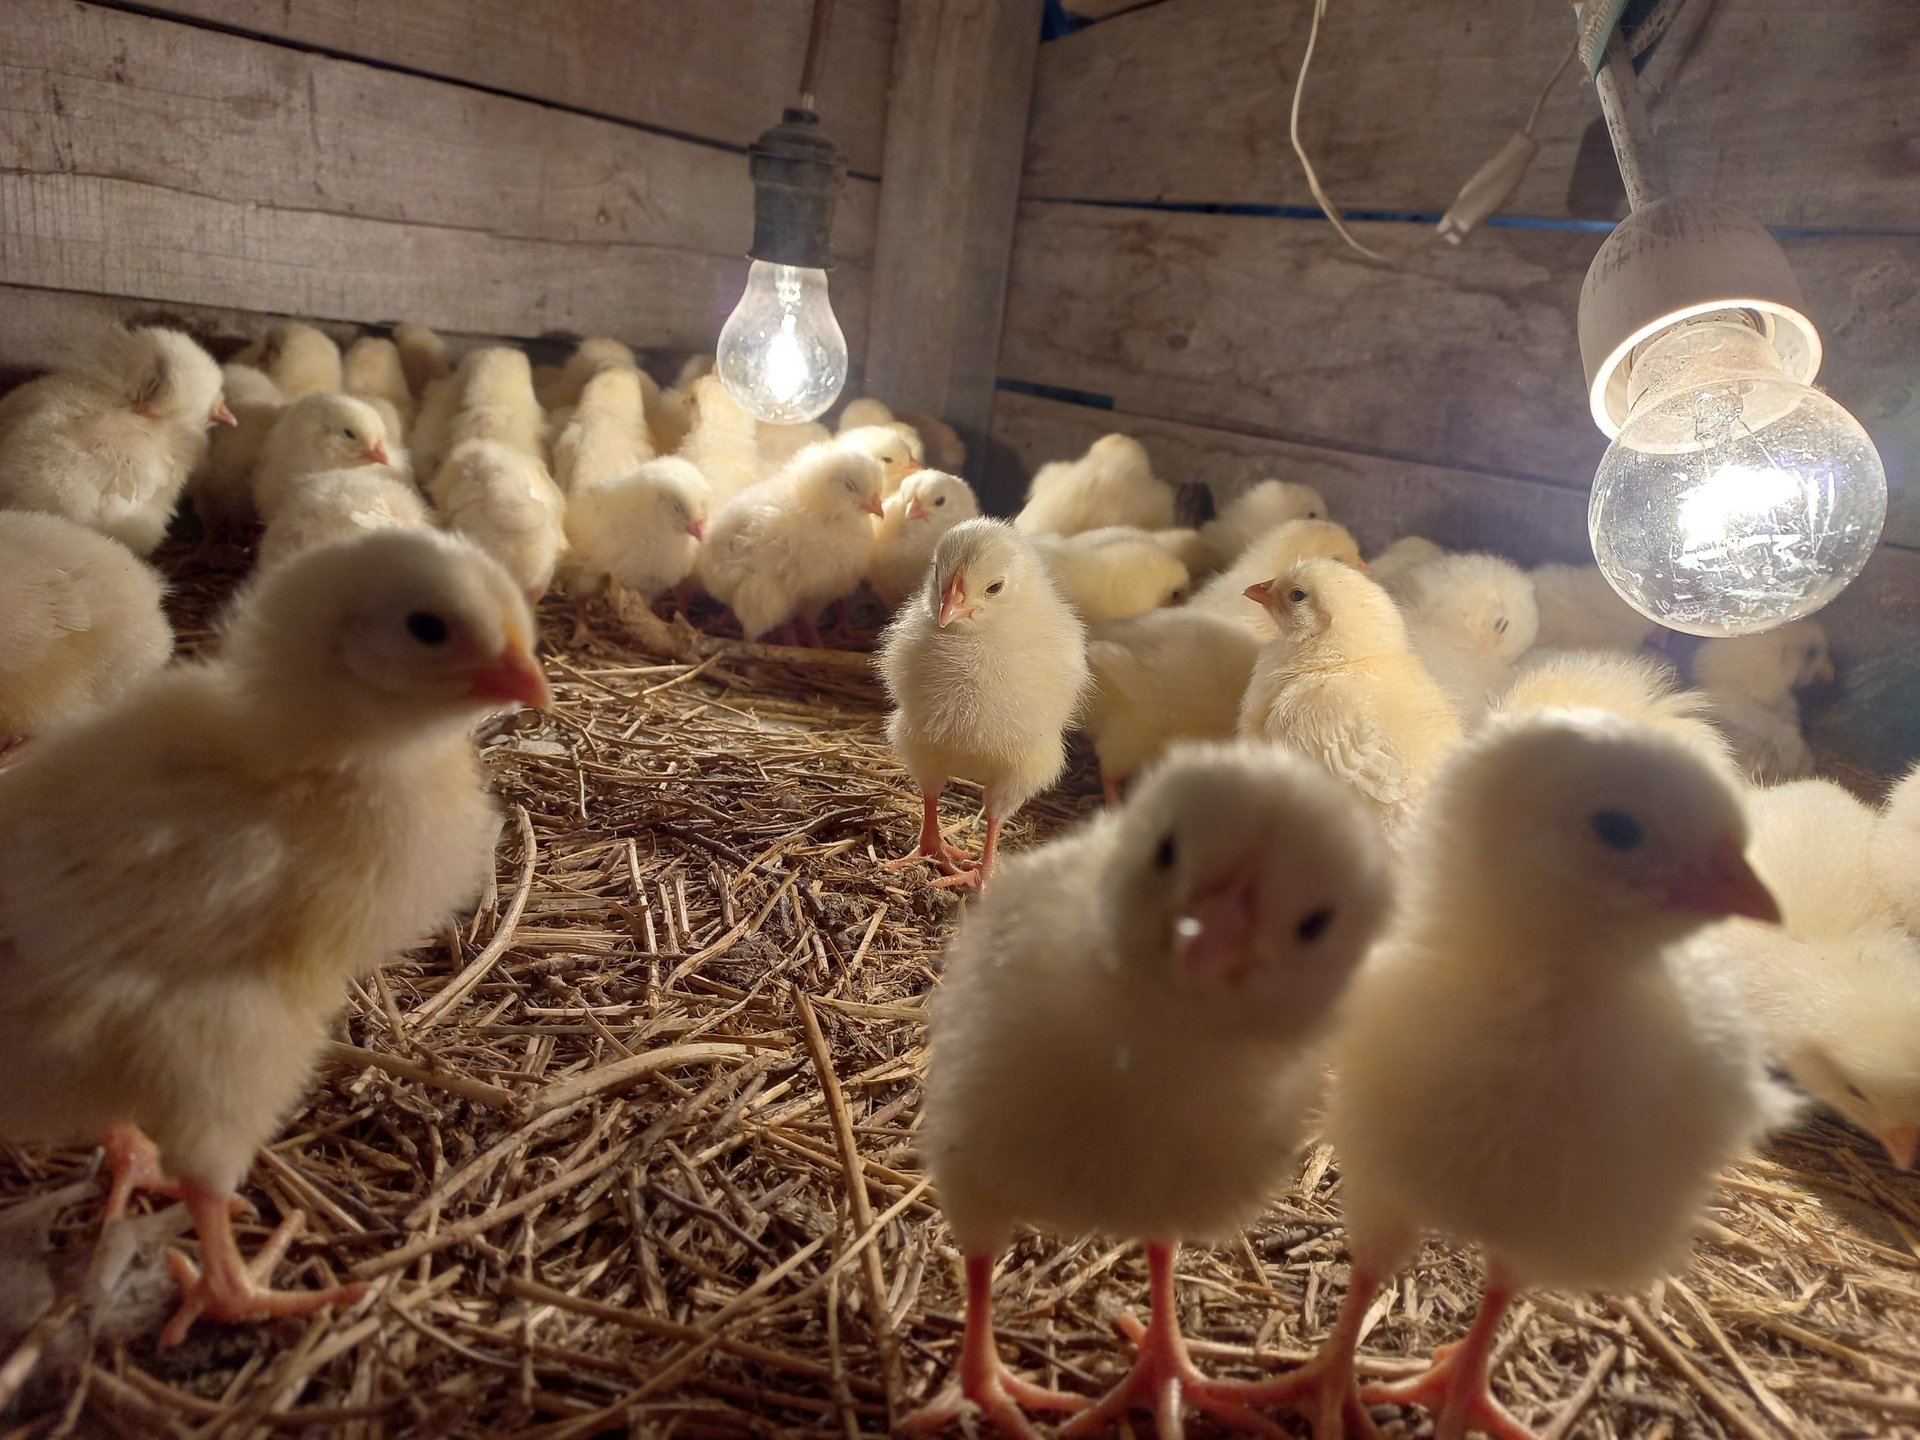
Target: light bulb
x: 781, y: 353
x: 1735, y: 498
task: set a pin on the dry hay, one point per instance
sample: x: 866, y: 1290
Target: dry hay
x: 583, y: 1150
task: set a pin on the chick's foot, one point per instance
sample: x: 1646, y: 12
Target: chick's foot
x: 1454, y: 1387
x: 135, y: 1163
x: 933, y: 845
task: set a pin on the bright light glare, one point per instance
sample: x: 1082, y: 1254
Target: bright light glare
x: 781, y: 353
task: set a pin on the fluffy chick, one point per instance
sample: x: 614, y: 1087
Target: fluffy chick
x: 1187, y: 546
x: 1635, y: 687
x: 606, y: 432
x: 912, y: 519
x: 939, y: 441
x: 1273, y: 553
x: 298, y: 358
x: 563, y: 386
x: 502, y: 499
x: 864, y: 410
x: 316, y: 433
x: 339, y: 505
x: 80, y: 622
x: 1340, y: 683
x: 110, y: 444
x: 1263, y: 506
x: 896, y: 447
x: 372, y: 370
x: 189, y: 880
x: 497, y: 402
x: 1814, y: 844
x: 1752, y: 679
x: 722, y: 441
x: 423, y: 357
x: 642, y: 529
x: 1896, y: 850
x: 1112, y: 484
x: 780, y: 443
x: 1159, y: 677
x: 985, y: 667
x: 1469, y: 617
x: 1392, y: 564
x: 1579, y: 610
x: 1141, y: 1062
x: 221, y: 485
x: 1114, y: 573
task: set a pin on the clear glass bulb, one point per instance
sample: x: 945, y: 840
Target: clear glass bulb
x: 1735, y: 498
x: 781, y: 353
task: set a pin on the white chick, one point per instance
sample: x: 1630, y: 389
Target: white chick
x: 189, y: 881
x: 864, y: 410
x: 1160, y: 677
x: 372, y: 370
x: 642, y: 529
x: 563, y: 385
x: 1636, y: 687
x: 1531, y: 1060
x: 221, y: 486
x: 985, y: 667
x: 1112, y: 484
x: 1113, y: 573
x: 939, y: 441
x: 1273, y: 553
x: 299, y: 359
x: 1469, y: 617
x: 1752, y: 679
x: 670, y: 412
x: 502, y: 500
x: 110, y: 444
x: 1579, y: 610
x: 780, y: 443
x: 1896, y: 850
x: 1187, y: 546
x: 80, y: 622
x: 1341, y: 684
x: 912, y: 519
x: 782, y: 550
x: 896, y: 447
x: 1140, y: 1062
x: 423, y: 357
x: 723, y: 442
x: 339, y: 505
x: 606, y: 433
x: 316, y: 433
x: 1393, y: 564
x: 1261, y: 507
x: 497, y: 403
x: 1814, y: 844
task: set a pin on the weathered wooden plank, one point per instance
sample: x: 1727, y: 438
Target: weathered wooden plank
x: 1867, y: 730
x: 121, y: 237
x: 1187, y: 100
x: 955, y: 134
x: 1462, y: 357
x: 716, y: 72
x: 92, y: 91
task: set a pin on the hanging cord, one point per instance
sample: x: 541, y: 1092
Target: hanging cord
x: 1540, y: 105
x: 1320, y: 196
x: 816, y: 52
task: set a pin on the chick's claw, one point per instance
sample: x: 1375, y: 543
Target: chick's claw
x: 135, y: 1163
x: 1165, y: 1381
x: 995, y: 1394
x: 1454, y: 1389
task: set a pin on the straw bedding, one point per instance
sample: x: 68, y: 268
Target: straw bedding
x: 632, y: 1151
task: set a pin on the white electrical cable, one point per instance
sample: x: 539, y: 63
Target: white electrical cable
x: 1327, y: 207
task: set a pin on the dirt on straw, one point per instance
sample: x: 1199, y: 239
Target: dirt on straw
x: 632, y: 1150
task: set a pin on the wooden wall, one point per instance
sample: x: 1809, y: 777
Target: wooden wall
x: 1167, y: 264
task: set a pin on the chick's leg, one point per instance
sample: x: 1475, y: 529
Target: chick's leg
x: 1163, y: 1378
x: 135, y: 1163
x: 933, y: 845
x: 1325, y: 1389
x: 1454, y: 1387
x: 986, y: 1386
x: 976, y: 878
x: 231, y: 1288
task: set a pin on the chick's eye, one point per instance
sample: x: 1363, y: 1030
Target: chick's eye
x: 1313, y: 514
x: 1857, y: 1093
x: 1163, y: 857
x: 1616, y: 829
x: 941, y: 501
x: 349, y: 434
x: 1315, y: 925
x: 427, y: 628
x: 1500, y: 626
x: 996, y: 587
x: 1297, y: 595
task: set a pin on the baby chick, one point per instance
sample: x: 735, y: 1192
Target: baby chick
x: 1187, y: 546
x: 985, y: 668
x: 1125, y: 1041
x: 298, y: 358
x: 497, y: 403
x: 1752, y: 679
x: 1159, y: 677
x: 864, y: 410
x: 372, y: 370
x: 1261, y: 507
x: 80, y: 622
x: 1273, y: 553
x: 782, y: 550
x: 316, y: 433
x: 339, y: 505
x: 1113, y: 573
x: 560, y: 388
x: 912, y: 519
x: 1112, y: 484
x: 1392, y: 564
x: 723, y: 442
x: 896, y: 447
x: 939, y: 441
x: 1469, y: 617
x: 189, y: 880
x: 221, y: 485
x: 1341, y: 684
x: 1896, y: 850
x: 110, y: 444
x: 642, y: 529
x: 1579, y: 610
x: 780, y: 443
x: 605, y: 433
x: 1635, y: 687
x: 501, y: 498
x: 1508, y: 1060
x: 423, y: 357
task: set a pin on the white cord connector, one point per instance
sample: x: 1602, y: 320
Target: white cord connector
x: 1492, y: 185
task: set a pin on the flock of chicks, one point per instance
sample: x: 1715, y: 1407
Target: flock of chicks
x: 1433, y: 825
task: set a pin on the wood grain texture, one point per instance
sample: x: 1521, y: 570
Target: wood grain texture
x: 719, y: 72
x: 1464, y: 357
x: 955, y: 135
x: 1801, y: 114
x: 1867, y: 730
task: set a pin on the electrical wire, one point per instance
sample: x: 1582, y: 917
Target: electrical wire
x: 1540, y: 104
x: 1320, y: 196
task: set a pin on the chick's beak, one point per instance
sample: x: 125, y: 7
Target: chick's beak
x: 697, y: 529
x: 1260, y: 592
x: 1214, y: 937
x: 1725, y: 885
x: 514, y: 675
x: 376, y: 453
x: 1824, y: 673
x: 1901, y: 1142
x: 953, y: 599
x: 915, y: 510
x: 872, y: 506
x: 220, y: 414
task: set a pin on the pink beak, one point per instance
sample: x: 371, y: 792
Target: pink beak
x: 916, y: 511
x: 376, y: 453
x: 697, y: 529
x: 1901, y: 1142
x: 220, y: 414
x: 1214, y: 939
x: 1261, y: 591
x: 1725, y: 886
x: 953, y: 599
x: 514, y: 675
x: 1363, y: 567
x: 872, y: 506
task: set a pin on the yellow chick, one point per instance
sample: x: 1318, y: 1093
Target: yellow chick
x: 864, y: 410
x: 723, y: 442
x: 1814, y: 844
x: 1896, y: 850
x: 502, y: 499
x: 337, y: 505
x: 1187, y: 546
x: 780, y: 443
x: 1114, y: 573
x: 1159, y: 677
x: 939, y: 441
x: 670, y: 412
x: 1112, y: 484
x: 781, y: 551
x: 559, y: 388
x: 80, y: 622
x: 1273, y: 553
x: 1263, y: 506
x: 642, y: 529
x: 896, y: 447
x: 1635, y: 687
x: 985, y: 666
x: 1752, y: 679
x: 605, y: 433
x: 1341, y: 684
x: 189, y: 880
x: 1470, y: 617
x: 497, y: 403
x: 110, y: 444
x: 1407, y: 553
x: 1126, y: 1041
x: 316, y: 433
x: 221, y: 485
x: 423, y: 357
x: 298, y: 358
x: 912, y: 519
x: 1579, y: 610
x: 372, y: 370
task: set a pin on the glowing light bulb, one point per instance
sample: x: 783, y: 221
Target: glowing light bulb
x: 1735, y: 498
x: 781, y: 353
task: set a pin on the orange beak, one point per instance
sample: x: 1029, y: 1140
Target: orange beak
x: 220, y: 414
x: 917, y: 511
x: 697, y: 529
x: 872, y: 506
x: 1260, y: 592
x: 1824, y: 673
x: 1363, y: 567
x: 515, y: 676
x: 1901, y: 1142
x: 954, y: 598
x: 1726, y: 885
x: 376, y: 453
